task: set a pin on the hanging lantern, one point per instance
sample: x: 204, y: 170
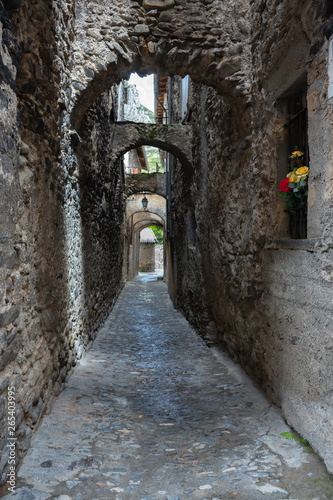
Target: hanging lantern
x: 144, y: 202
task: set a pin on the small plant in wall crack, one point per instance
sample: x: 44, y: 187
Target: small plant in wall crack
x: 302, y: 441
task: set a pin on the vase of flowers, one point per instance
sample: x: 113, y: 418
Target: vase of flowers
x: 294, y: 188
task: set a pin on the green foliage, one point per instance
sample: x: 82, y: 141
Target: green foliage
x: 159, y: 233
x: 289, y: 435
x: 302, y: 441
x: 153, y: 155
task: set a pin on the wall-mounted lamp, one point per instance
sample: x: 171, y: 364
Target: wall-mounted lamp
x: 144, y: 202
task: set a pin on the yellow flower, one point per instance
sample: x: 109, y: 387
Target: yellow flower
x: 294, y: 178
x: 290, y: 174
x: 302, y: 171
x: 296, y: 154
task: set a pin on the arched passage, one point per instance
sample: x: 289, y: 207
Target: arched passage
x: 227, y: 283
x: 176, y: 139
x: 139, y: 183
x: 137, y: 218
x: 151, y: 257
x: 163, y: 42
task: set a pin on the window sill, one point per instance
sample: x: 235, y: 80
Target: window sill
x: 307, y: 245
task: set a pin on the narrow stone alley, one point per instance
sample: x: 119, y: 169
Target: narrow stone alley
x: 152, y: 413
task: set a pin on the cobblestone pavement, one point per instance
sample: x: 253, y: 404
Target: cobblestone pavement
x: 152, y: 413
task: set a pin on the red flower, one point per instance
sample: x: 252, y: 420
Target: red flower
x: 284, y: 185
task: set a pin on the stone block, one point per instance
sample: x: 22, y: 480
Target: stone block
x: 37, y: 411
x: 158, y: 4
x: 165, y: 16
x: 141, y: 30
x: 10, y: 260
x: 10, y: 353
x: 3, y: 340
x: 9, y: 316
x: 22, y: 161
x: 24, y: 149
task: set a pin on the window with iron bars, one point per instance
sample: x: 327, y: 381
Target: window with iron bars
x: 297, y: 127
x: 297, y: 124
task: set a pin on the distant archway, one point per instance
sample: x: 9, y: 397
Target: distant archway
x: 137, y: 218
x: 175, y: 139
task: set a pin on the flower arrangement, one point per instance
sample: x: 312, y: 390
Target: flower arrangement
x: 295, y: 186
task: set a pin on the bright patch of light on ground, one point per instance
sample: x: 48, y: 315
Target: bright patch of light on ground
x: 145, y: 88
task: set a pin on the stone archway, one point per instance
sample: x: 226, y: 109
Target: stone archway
x: 138, y: 183
x: 176, y: 139
x: 138, y: 218
x: 213, y: 48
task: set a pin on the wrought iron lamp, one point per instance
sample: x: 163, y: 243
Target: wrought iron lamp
x: 144, y: 202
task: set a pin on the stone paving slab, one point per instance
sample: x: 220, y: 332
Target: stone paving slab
x: 152, y: 413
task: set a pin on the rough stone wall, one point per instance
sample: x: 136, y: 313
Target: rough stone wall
x: 102, y: 212
x: 61, y: 256
x: 35, y: 354
x: 266, y: 299
x: 215, y: 259
x: 10, y: 279
x: 296, y: 344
